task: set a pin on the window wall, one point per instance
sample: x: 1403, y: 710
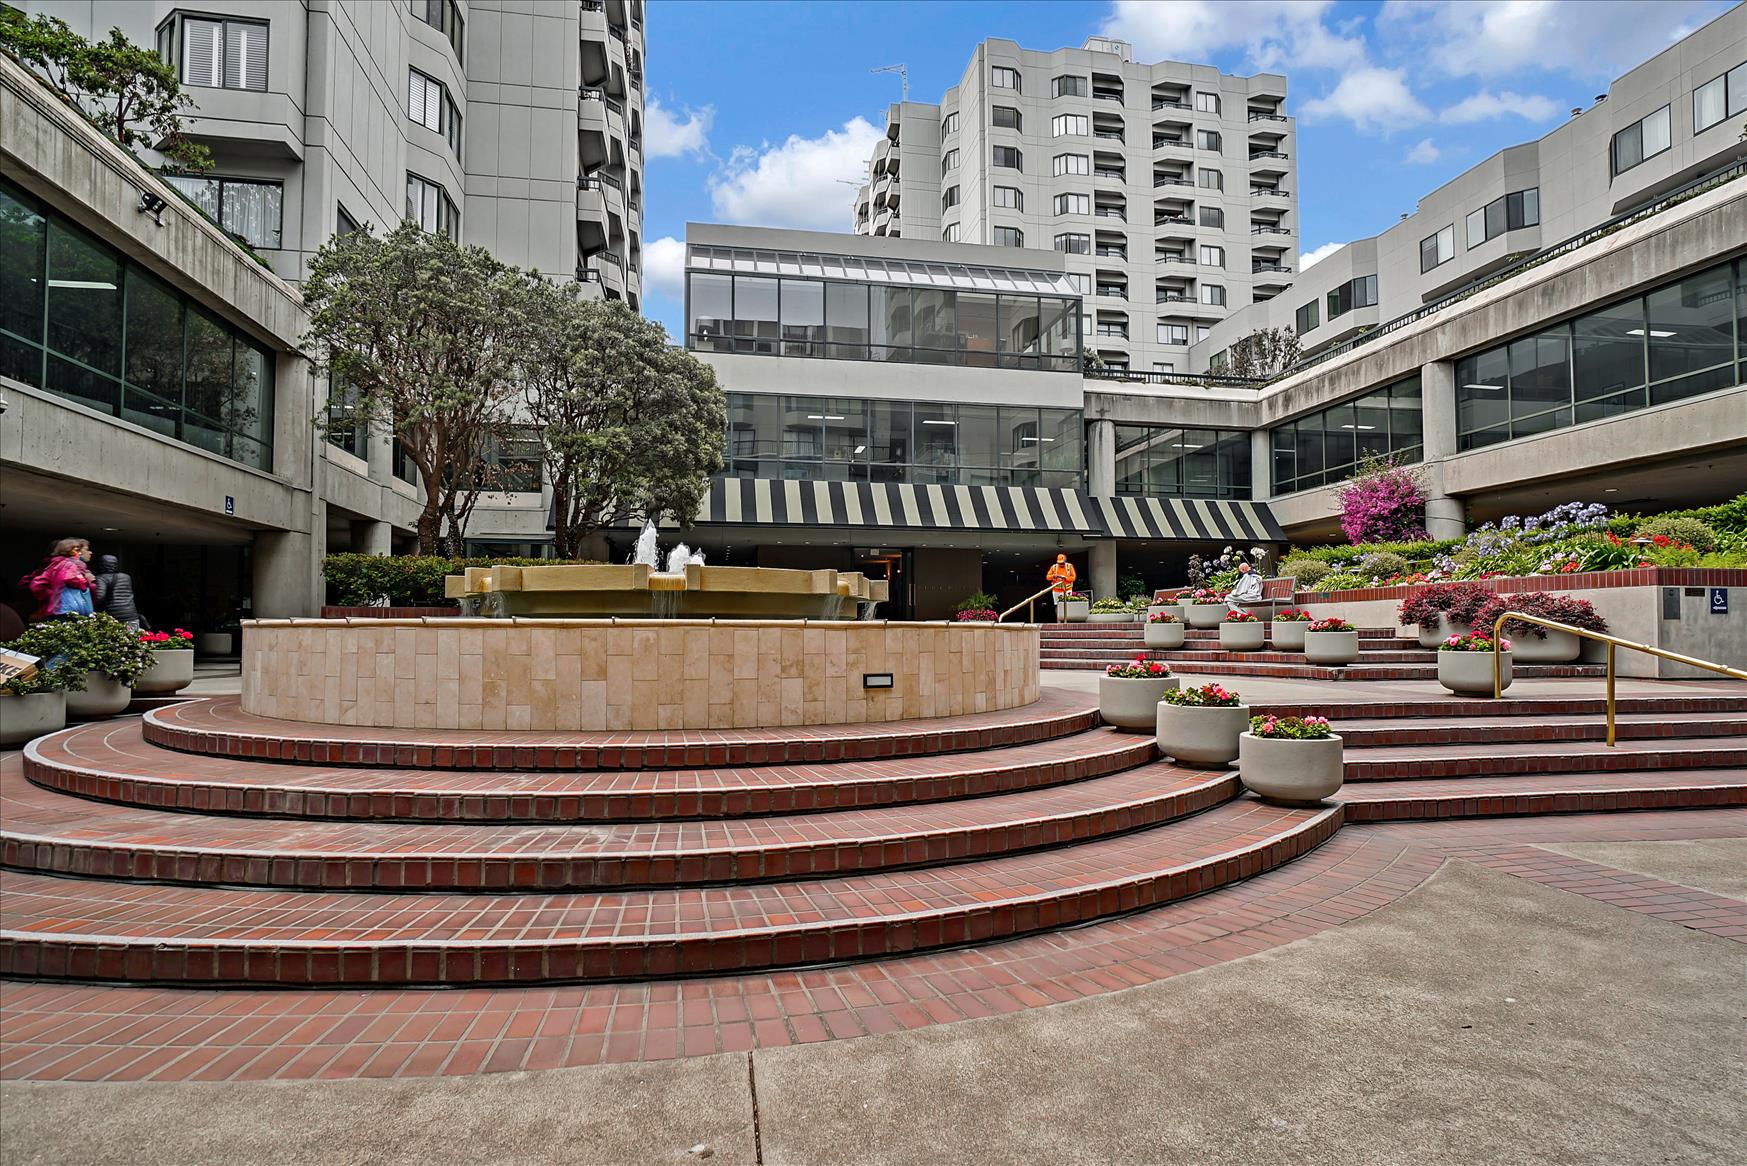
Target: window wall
x: 1328, y: 446
x: 773, y: 316
x: 1355, y: 293
x: 251, y: 210
x: 1191, y: 463
x: 80, y: 321
x: 214, y: 53
x: 1510, y: 213
x: 847, y: 439
x: 1675, y: 342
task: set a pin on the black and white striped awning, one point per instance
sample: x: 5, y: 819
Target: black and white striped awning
x: 790, y: 502
x: 1194, y: 519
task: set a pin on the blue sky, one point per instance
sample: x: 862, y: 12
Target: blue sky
x: 761, y: 112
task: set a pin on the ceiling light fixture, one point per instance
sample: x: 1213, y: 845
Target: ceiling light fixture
x: 1485, y: 388
x: 84, y: 284
x: 861, y: 449
x: 1656, y: 332
x: 931, y: 422
x: 823, y: 417
x: 1358, y: 427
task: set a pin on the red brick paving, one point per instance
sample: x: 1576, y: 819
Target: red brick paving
x: 85, y: 1032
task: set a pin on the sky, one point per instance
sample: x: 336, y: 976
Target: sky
x: 764, y: 113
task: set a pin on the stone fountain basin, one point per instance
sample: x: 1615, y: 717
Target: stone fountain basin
x: 635, y: 589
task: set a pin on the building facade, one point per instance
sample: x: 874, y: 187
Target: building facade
x: 1170, y: 187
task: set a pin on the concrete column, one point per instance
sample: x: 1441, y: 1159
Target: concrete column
x: 1261, y: 465
x: 1444, y: 514
x: 287, y: 574
x: 1101, y: 460
x: 372, y: 537
x: 1104, y: 567
x: 1444, y: 517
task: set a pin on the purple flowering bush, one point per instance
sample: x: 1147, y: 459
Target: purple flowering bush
x: 1383, y: 503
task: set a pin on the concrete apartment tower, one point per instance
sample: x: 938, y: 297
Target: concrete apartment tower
x: 513, y: 124
x: 1170, y: 187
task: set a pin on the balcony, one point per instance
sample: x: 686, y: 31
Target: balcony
x: 1165, y: 142
x: 1107, y: 172
x: 1264, y: 115
x: 1168, y: 103
x: 1111, y: 252
x: 1108, y: 135
x: 1160, y: 180
x: 1110, y: 212
x: 1170, y: 257
x: 1258, y: 155
x: 1173, y: 221
x: 1267, y: 230
x: 1106, y: 95
x: 1171, y: 297
x: 1115, y: 291
x: 1268, y: 192
x: 1113, y: 331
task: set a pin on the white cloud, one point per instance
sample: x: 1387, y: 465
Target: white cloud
x: 668, y: 137
x: 664, y: 267
x: 798, y: 183
x: 1273, y: 33
x: 1586, y: 38
x: 1310, y: 259
x: 1373, y: 99
x: 1489, y: 106
x: 1424, y: 153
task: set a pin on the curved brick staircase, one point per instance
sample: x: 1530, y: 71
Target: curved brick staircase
x: 203, y: 845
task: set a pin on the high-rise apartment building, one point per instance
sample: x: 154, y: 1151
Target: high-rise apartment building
x: 1170, y: 187
x: 512, y: 124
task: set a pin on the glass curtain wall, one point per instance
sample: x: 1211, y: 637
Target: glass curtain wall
x: 1190, y: 463
x: 1328, y: 446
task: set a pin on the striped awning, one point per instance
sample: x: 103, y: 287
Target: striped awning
x: 1195, y: 519
x: 792, y: 502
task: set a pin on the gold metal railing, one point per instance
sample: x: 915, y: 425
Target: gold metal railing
x: 1612, y: 642
x: 1028, y: 603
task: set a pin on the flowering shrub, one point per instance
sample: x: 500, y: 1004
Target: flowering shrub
x: 96, y: 643
x: 1291, y: 728
x: 1511, y: 547
x: 179, y: 640
x: 1579, y: 613
x: 1202, y: 595
x: 1207, y: 696
x: 1381, y: 503
x: 1240, y: 617
x: 1472, y: 642
x: 1140, y: 668
x: 985, y: 615
x: 1291, y: 615
x: 1109, y: 604
x: 1333, y: 623
x: 1162, y: 617
x: 1305, y: 572
x: 1459, y: 601
x: 1675, y: 528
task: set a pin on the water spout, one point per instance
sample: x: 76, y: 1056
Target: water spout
x: 647, y: 552
x: 681, y: 557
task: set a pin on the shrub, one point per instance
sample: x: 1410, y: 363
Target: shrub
x: 1342, y: 581
x: 1139, y: 603
x: 1109, y: 605
x: 1681, y: 529
x: 406, y: 580
x: 1459, y: 601
x: 1292, y: 728
x: 1382, y: 502
x: 1579, y: 613
x: 981, y: 601
x: 1382, y: 565
x: 1306, y: 571
x: 94, y: 643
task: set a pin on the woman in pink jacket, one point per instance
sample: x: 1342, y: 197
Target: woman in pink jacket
x: 64, y: 583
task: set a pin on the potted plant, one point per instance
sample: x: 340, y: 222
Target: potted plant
x: 1137, y: 608
x: 1465, y: 664
x: 32, y: 706
x: 172, y: 663
x: 1330, y: 641
x: 1200, y: 726
x: 1241, y: 631
x: 1129, y: 694
x: 1203, y: 607
x: 1290, y: 761
x: 1076, y: 606
x: 1108, y: 610
x: 1442, y: 610
x: 1288, y: 631
x: 1164, y: 629
x: 1536, y: 644
x: 978, y: 608
x: 1164, y: 607
x: 99, y: 650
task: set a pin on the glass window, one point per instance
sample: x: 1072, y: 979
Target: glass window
x: 1071, y: 86
x: 1009, y: 197
x: 1607, y: 351
x: 949, y: 124
x: 1059, y: 328
x: 1495, y: 218
x: 217, y: 54
x: 978, y: 328
x: 1306, y: 318
x: 1210, y: 179
x: 1476, y: 229
x: 1004, y: 78
x: 1212, y: 256
x: 1737, y: 89
x: 442, y: 15
x: 949, y: 233
x: 803, y: 317
x: 949, y: 198
x: 755, y: 314
x: 1207, y: 140
x: 1019, y: 329
x: 1005, y: 117
x: 846, y: 325
x: 1207, y: 103
x: 244, y: 207
x: 1072, y: 164
x: 1212, y: 216
x: 889, y: 433
x: 1008, y: 158
x: 949, y: 160
x: 1074, y: 244
x: 1213, y: 293
x: 154, y: 353
x: 1173, y: 333
x: 935, y: 316
x: 1438, y: 249
x: 1540, y: 373
x: 1008, y: 237
x: 1691, y: 329
x: 23, y: 235
x: 1070, y: 125
x: 1073, y: 204
x: 1641, y: 140
x: 429, y: 205
x: 84, y: 302
x: 712, y: 310
x: 889, y: 313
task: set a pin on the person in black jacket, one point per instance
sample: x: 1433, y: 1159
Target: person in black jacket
x: 113, y: 592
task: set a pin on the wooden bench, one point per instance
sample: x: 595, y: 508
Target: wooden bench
x: 1276, y: 596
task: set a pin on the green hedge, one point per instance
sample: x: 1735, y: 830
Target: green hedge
x: 407, y: 580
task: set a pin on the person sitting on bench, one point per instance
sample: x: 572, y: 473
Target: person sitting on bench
x: 1248, y: 589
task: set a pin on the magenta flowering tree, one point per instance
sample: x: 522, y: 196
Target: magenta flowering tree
x: 1382, y: 503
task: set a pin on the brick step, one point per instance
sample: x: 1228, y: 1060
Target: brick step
x: 1426, y: 762
x: 1362, y: 733
x: 219, y: 727
x: 1345, y: 672
x: 1137, y: 630
x: 1189, y: 657
x: 53, y: 833
x: 54, y: 928
x: 1460, y: 708
x: 113, y: 762
x: 1576, y: 793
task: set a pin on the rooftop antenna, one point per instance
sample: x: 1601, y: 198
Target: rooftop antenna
x: 903, y: 72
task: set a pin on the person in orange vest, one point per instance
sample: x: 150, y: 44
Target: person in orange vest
x: 1061, y: 578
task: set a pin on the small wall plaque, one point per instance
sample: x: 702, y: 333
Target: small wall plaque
x: 1671, y: 603
x: 876, y: 679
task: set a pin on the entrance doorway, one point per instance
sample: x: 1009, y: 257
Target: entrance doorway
x: 895, y: 566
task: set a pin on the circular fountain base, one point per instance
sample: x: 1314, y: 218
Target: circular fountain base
x: 589, y: 675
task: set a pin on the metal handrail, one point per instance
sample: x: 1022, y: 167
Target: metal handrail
x: 1027, y: 603
x: 1612, y: 642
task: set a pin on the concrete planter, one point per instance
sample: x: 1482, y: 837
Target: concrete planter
x: 1076, y: 610
x: 1288, y: 634
x: 103, y: 697
x: 1287, y: 772
x: 25, y: 718
x: 1431, y: 637
x: 215, y: 643
x: 1204, y: 615
x: 1470, y: 673
x: 1109, y: 617
x: 1164, y: 635
x: 170, y: 672
x: 1557, y: 648
x: 1331, y: 647
x: 1165, y: 609
x: 1243, y: 637
x: 1132, y: 703
x: 1199, y: 735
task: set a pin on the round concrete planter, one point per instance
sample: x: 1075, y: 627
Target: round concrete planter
x: 1201, y: 735
x: 25, y: 718
x: 1164, y: 635
x: 1557, y: 648
x: 1204, y: 615
x: 1076, y: 610
x: 1243, y: 637
x: 103, y: 697
x: 214, y: 643
x: 1470, y: 673
x: 1109, y: 617
x: 1165, y: 609
x: 1288, y: 634
x: 1331, y: 647
x: 170, y: 672
x: 1435, y: 634
x: 1132, y: 703
x: 1287, y: 772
